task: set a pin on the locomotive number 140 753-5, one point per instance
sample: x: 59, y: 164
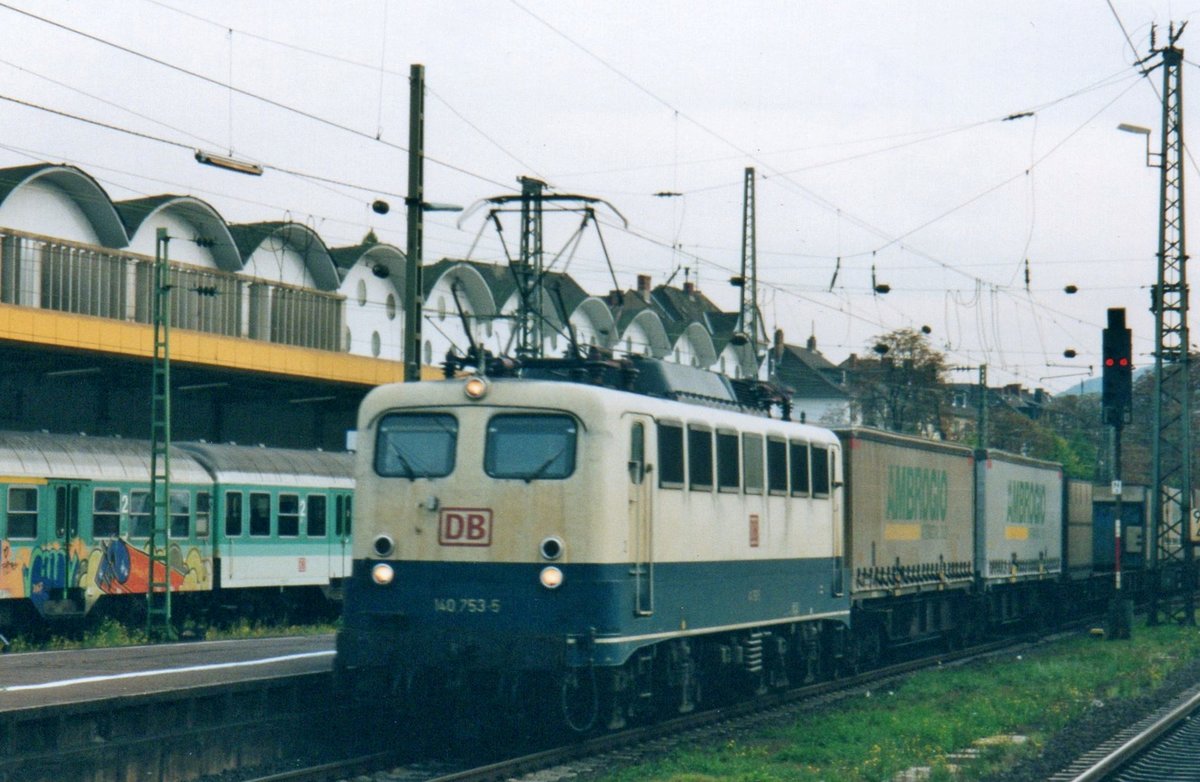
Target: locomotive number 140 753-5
x: 466, y: 605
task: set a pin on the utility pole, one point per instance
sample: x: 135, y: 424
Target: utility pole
x: 1171, y: 554
x: 748, y: 310
x: 415, y: 203
x: 158, y: 590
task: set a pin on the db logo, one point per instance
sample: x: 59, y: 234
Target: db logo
x: 465, y: 527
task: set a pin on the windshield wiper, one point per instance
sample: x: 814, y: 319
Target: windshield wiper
x: 541, y: 470
x: 408, y: 468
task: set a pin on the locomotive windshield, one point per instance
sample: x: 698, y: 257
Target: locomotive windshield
x: 416, y: 445
x: 530, y: 447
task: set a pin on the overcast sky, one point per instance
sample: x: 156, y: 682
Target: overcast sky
x: 876, y: 128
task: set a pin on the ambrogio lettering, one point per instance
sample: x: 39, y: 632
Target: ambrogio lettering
x: 1026, y: 503
x: 916, y: 493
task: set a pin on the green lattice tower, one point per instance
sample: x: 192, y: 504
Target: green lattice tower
x: 158, y: 592
x: 1173, y: 597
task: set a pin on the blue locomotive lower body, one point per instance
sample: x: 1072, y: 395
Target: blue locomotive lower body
x: 498, y: 616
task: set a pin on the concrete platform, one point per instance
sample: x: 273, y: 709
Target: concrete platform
x: 39, y: 679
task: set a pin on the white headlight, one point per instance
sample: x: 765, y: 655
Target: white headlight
x: 382, y: 574
x: 476, y: 388
x: 550, y: 577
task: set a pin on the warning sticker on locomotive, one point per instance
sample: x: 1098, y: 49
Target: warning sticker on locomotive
x: 465, y: 527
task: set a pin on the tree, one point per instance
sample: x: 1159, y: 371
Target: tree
x: 901, y: 389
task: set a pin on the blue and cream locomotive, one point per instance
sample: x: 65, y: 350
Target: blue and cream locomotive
x: 524, y: 536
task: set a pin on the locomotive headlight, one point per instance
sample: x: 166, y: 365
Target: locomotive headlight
x: 382, y: 574
x: 550, y: 577
x: 476, y: 388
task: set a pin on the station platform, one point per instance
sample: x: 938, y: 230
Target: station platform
x: 57, y: 678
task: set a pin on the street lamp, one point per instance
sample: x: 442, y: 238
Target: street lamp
x: 1138, y: 130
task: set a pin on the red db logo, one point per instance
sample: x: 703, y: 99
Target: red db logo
x: 465, y: 527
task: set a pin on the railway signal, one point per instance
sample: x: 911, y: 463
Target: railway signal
x: 1116, y: 396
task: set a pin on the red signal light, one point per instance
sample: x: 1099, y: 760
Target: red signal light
x: 1108, y: 362
x: 1124, y: 362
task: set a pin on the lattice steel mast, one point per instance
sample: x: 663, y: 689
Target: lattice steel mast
x: 748, y: 310
x: 1171, y: 476
x: 158, y: 591
x: 528, y: 270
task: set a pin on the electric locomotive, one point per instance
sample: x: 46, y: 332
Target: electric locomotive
x: 556, y: 546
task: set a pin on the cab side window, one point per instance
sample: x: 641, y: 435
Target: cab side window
x: 670, y: 456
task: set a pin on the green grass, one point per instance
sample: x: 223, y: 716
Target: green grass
x: 940, y: 712
x: 109, y: 632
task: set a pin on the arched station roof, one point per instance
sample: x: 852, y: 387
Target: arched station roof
x: 85, y: 191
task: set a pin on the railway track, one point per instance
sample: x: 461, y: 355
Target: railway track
x: 1160, y: 747
x: 629, y: 747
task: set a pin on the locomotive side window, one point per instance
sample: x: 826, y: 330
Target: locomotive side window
x: 530, y: 447
x: 637, y: 452
x: 233, y: 514
x: 752, y: 462
x: 141, y: 507
x: 670, y: 456
x: 416, y: 445
x: 22, y: 513
x: 799, y: 471
x: 181, y: 509
x: 820, y: 467
x: 777, y: 469
x: 727, y: 462
x: 106, y: 513
x: 700, y: 458
x: 316, y: 516
x: 260, y: 514
x: 289, y: 515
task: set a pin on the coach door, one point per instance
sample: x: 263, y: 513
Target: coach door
x: 67, y: 499
x: 641, y: 516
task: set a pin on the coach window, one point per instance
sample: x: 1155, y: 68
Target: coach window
x: 670, y: 456
x: 728, y: 475
x: 752, y: 462
x: 22, y: 513
x: 820, y: 468
x: 203, y: 512
x: 416, y: 445
x: 799, y: 471
x: 700, y: 458
x: 530, y: 447
x: 140, y: 509
x: 289, y: 515
x: 316, y: 516
x: 777, y: 471
x: 233, y: 514
x: 260, y: 514
x: 637, y: 452
x: 180, y: 514
x: 106, y: 513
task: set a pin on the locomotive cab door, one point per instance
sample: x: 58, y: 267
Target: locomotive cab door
x: 641, y: 516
